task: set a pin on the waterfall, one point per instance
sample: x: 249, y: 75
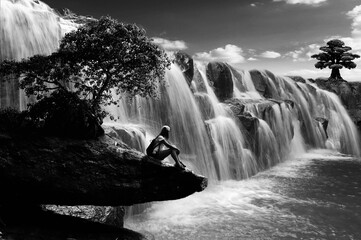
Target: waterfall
x: 233, y: 139
x: 27, y: 28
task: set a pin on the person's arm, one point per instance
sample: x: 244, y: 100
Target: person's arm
x: 168, y: 144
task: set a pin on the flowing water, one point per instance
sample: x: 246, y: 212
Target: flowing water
x: 314, y: 196
x: 273, y: 204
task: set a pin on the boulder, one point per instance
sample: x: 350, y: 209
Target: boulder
x: 298, y: 79
x: 36, y: 169
x: 324, y: 124
x: 198, y: 81
x: 205, y: 105
x: 185, y: 62
x: 249, y: 122
x: 220, y: 76
x: 261, y: 81
x: 19, y: 222
x: 348, y: 92
x: 239, y: 79
x: 260, y: 106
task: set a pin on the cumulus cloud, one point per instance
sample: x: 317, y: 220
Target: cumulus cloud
x: 230, y: 53
x: 170, y: 45
x: 304, y: 53
x: 252, y: 59
x: 270, y: 54
x: 314, y: 3
x: 355, y: 40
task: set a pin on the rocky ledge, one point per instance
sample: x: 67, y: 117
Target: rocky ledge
x: 348, y: 92
x: 48, y: 170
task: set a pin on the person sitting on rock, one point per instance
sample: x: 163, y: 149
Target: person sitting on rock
x: 160, y: 148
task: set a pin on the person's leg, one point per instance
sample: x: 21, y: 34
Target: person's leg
x: 174, y: 155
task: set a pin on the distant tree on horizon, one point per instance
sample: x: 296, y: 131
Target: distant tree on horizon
x: 335, y: 56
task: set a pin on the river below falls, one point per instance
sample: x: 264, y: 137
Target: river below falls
x: 314, y: 196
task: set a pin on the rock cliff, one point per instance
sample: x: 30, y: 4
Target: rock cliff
x: 348, y: 92
x: 48, y: 170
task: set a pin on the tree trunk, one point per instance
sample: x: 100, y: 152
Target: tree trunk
x: 335, y: 74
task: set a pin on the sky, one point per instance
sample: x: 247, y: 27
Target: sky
x: 278, y: 35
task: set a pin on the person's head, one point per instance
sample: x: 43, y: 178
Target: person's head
x: 165, y: 131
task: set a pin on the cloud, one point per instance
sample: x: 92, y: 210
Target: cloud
x: 252, y: 59
x: 170, y: 45
x: 314, y: 3
x: 270, y: 54
x: 304, y: 54
x: 230, y: 53
x: 355, y: 40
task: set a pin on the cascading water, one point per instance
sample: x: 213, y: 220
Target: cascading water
x: 212, y: 137
x: 27, y: 28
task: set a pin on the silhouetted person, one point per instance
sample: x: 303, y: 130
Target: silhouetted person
x: 160, y: 148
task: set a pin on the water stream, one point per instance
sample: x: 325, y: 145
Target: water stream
x: 213, y: 140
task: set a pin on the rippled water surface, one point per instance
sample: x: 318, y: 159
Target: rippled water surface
x: 316, y: 196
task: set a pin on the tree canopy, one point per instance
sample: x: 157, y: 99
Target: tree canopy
x: 96, y: 60
x: 335, y: 56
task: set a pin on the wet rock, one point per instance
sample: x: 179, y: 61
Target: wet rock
x: 261, y: 81
x: 348, y: 92
x: 130, y: 136
x: 298, y: 79
x: 205, y: 105
x: 199, y: 81
x: 31, y: 222
x: 220, y: 76
x: 259, y: 106
x: 185, y: 62
x: 239, y: 79
x: 249, y: 122
x: 112, y: 216
x: 62, y: 171
x: 324, y: 123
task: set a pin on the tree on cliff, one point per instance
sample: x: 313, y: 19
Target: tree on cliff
x: 98, y: 59
x: 335, y: 56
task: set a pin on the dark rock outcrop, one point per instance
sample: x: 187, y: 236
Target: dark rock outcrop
x: 348, y: 92
x: 298, y: 79
x: 261, y: 81
x: 31, y: 222
x: 220, y: 76
x: 324, y: 124
x: 199, y: 81
x: 239, y: 79
x: 42, y: 170
x: 185, y: 62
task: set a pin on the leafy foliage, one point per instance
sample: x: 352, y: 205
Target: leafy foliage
x: 64, y: 114
x: 335, y: 56
x: 100, y: 57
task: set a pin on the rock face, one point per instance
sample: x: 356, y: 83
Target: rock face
x: 31, y: 222
x: 42, y: 170
x: 185, y: 62
x: 348, y: 92
x: 261, y: 81
x: 220, y: 76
